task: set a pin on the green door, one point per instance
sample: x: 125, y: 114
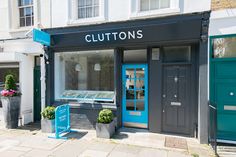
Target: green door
x: 37, y: 94
x: 223, y: 85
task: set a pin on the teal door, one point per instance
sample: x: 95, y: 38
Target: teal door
x: 223, y: 85
x: 37, y: 92
x: 135, y: 95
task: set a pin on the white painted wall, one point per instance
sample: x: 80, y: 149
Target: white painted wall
x: 118, y: 10
x: 223, y: 22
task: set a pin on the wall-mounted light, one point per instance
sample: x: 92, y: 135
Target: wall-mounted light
x: 97, y: 67
x: 78, y: 67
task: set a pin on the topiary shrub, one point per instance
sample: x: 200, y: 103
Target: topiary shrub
x: 10, y: 83
x: 48, y: 113
x: 105, y: 116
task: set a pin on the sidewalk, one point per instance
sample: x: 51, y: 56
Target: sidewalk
x: 28, y: 141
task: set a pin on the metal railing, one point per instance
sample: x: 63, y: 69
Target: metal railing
x: 212, y: 126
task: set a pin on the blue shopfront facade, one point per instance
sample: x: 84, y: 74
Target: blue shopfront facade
x: 150, y: 72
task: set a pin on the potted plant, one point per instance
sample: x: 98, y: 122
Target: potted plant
x: 105, y: 126
x: 48, y: 120
x: 11, y: 101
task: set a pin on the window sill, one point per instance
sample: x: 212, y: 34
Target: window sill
x: 86, y: 21
x: 21, y: 29
x: 155, y: 13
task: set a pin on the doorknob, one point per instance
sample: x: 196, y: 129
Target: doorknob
x: 163, y: 95
x: 163, y: 111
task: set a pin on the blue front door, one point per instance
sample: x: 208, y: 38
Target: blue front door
x: 135, y: 95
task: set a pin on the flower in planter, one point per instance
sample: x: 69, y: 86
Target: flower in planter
x: 10, y: 88
x: 48, y: 113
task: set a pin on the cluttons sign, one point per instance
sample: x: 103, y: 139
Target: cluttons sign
x: 114, y: 36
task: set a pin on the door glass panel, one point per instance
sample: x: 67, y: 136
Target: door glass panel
x: 129, y: 73
x: 139, y: 84
x: 140, y: 73
x: 130, y: 94
x: 130, y: 105
x: 140, y: 105
x: 134, y: 56
x: 224, y: 47
x: 140, y: 94
x: 129, y: 84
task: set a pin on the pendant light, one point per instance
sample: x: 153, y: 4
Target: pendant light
x: 97, y: 67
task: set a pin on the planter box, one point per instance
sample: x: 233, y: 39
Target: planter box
x: 48, y: 126
x: 105, y: 130
x: 11, y: 111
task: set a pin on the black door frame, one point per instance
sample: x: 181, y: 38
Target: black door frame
x: 193, y: 89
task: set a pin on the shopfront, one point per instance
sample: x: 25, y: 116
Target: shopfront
x: 151, y: 73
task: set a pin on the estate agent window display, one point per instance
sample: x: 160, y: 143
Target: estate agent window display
x: 85, y: 76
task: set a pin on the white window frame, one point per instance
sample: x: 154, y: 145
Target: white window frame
x: 32, y: 16
x: 73, y: 18
x: 136, y: 13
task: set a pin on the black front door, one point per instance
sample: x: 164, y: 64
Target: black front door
x: 176, y: 97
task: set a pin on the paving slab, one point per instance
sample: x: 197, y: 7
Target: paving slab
x: 11, y: 153
x: 37, y: 153
x: 177, y: 154
x: 21, y: 149
x: 101, y: 146
x: 149, y: 152
x: 93, y: 153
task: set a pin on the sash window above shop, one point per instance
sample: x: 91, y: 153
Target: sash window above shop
x: 141, y: 8
x: 86, y: 11
x: 26, y: 13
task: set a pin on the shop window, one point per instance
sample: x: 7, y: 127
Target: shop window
x: 147, y: 5
x: 85, y: 76
x: 177, y: 54
x: 224, y: 47
x: 8, y: 68
x: 26, y: 13
x: 135, y: 56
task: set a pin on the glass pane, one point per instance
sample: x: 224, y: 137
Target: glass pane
x: 139, y: 84
x: 224, y: 47
x: 89, y: 2
x: 140, y: 73
x: 129, y: 73
x: 28, y: 2
x: 81, y: 13
x: 22, y: 22
x: 177, y: 54
x: 81, y: 3
x: 28, y: 11
x: 154, y: 4
x: 129, y: 84
x: 140, y: 94
x: 130, y: 105
x: 96, y: 11
x: 86, y: 77
x: 28, y: 21
x: 144, y: 5
x: 140, y: 105
x: 135, y: 55
x: 130, y: 94
x: 20, y: 2
x: 96, y: 2
x: 22, y: 12
x: 165, y: 4
x: 89, y: 12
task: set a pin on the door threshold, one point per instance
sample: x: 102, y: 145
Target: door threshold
x: 135, y: 125
x: 226, y: 141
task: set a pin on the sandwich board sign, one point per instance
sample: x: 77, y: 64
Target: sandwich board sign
x: 41, y: 37
x: 62, y: 121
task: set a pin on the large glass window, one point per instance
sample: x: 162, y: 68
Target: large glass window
x: 5, y: 69
x: 88, y: 8
x: 224, y: 47
x: 85, y: 76
x: 177, y: 54
x: 147, y: 5
x: 26, y: 13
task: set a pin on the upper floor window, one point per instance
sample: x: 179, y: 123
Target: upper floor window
x: 88, y: 8
x: 147, y: 5
x: 26, y: 12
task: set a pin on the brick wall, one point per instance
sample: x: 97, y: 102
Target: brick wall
x: 222, y: 4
